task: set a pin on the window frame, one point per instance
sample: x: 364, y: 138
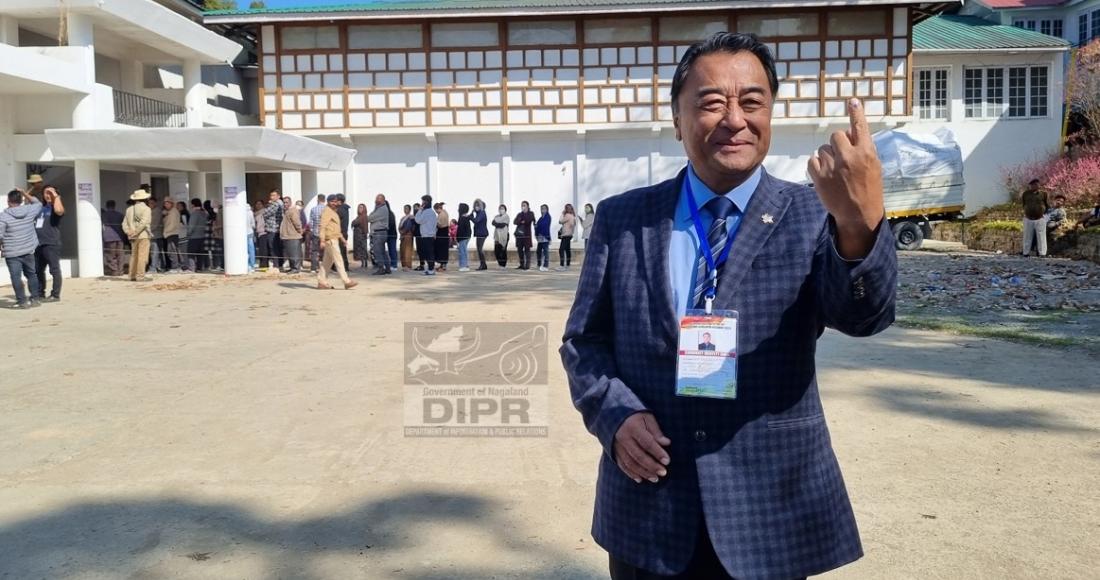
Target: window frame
x: 932, y: 108
x: 999, y: 102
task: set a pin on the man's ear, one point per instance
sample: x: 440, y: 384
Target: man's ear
x: 676, y: 125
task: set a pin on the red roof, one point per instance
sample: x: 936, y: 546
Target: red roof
x: 1022, y: 3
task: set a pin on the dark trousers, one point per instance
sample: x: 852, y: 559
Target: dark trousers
x: 426, y: 247
x: 316, y: 249
x: 704, y: 565
x: 501, y: 254
x: 218, y: 253
x: 524, y: 252
x: 172, y: 253
x: 542, y: 254
x: 565, y: 250
x: 277, y: 249
x: 18, y: 267
x: 48, y: 256
x: 419, y: 254
x: 263, y: 248
x: 196, y: 248
x: 442, y: 249
x: 481, y: 251
x: 391, y: 249
x: 112, y: 258
x: 293, y: 252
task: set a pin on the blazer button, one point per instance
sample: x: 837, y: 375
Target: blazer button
x: 700, y: 435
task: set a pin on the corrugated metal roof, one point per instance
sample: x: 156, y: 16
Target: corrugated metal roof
x: 463, y: 6
x: 970, y: 33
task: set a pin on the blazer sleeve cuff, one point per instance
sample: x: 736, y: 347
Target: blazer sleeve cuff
x: 619, y: 403
x: 862, y: 291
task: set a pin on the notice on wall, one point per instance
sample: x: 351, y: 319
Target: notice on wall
x: 85, y: 192
x: 230, y: 195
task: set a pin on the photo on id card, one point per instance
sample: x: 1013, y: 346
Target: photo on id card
x: 706, y: 361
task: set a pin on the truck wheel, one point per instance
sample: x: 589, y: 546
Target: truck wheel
x: 908, y: 235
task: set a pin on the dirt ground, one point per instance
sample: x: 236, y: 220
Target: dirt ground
x: 202, y: 427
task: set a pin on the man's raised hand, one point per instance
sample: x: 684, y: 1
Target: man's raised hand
x: 847, y: 175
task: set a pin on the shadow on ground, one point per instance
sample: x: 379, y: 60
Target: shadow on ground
x: 177, y: 536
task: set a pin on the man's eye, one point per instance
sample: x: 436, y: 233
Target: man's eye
x: 714, y: 106
x: 751, y: 105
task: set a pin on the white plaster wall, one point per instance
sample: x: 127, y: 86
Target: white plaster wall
x: 615, y: 163
x: 395, y: 167
x: 36, y: 113
x: 543, y: 171
x: 990, y: 145
x: 469, y: 166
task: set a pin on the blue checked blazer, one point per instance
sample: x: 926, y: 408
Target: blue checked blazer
x: 759, y: 470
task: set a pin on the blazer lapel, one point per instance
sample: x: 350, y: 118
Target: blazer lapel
x: 768, y: 201
x: 655, y: 250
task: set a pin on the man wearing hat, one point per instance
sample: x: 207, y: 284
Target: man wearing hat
x: 137, y: 224
x: 35, y: 185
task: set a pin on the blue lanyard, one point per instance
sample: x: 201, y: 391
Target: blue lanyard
x: 704, y: 243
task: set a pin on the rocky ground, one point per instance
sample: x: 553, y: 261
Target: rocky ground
x: 1048, y: 301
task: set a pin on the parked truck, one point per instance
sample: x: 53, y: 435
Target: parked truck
x: 922, y: 175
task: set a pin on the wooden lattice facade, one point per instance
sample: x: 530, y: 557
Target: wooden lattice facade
x: 388, y: 75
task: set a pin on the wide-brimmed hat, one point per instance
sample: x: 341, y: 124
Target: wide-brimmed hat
x: 139, y: 194
x: 36, y: 178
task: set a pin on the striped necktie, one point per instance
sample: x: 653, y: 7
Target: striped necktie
x: 723, y: 210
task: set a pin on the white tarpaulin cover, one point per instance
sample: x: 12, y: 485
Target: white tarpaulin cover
x: 917, y: 155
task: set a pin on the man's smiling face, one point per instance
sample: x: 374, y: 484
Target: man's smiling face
x: 723, y: 116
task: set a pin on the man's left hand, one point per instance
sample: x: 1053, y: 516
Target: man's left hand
x: 847, y: 175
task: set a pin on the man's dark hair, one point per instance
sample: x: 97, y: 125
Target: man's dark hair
x: 110, y: 204
x: 341, y: 197
x: 196, y: 202
x: 14, y: 196
x: 426, y: 200
x: 1060, y: 196
x: 1033, y: 182
x: 730, y: 42
x: 463, y: 209
x: 320, y: 197
x: 332, y: 197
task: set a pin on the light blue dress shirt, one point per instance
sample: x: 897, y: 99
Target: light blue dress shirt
x: 683, y: 251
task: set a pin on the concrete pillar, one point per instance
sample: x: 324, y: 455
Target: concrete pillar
x: 9, y: 30
x: 196, y: 185
x: 132, y: 76
x: 81, y: 35
x: 234, y: 206
x: 9, y: 169
x: 195, y: 92
x: 309, y: 186
x: 506, y: 170
x: 89, y: 225
x: 580, y: 169
x: 433, y: 167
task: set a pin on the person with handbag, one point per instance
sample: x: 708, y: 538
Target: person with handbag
x: 568, y: 221
x: 524, y: 222
x: 500, y: 236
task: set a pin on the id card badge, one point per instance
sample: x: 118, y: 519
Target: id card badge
x: 41, y: 221
x: 706, y: 361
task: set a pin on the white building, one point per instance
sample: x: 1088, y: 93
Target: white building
x: 1076, y: 21
x: 89, y: 99
x: 998, y: 88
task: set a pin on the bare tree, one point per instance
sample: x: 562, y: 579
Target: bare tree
x: 1084, y: 86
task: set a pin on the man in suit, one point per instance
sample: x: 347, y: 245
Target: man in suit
x: 747, y: 487
x: 706, y: 344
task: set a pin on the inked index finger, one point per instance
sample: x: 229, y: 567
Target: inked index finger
x: 860, y: 131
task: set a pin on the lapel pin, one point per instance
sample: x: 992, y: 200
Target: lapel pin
x: 767, y: 218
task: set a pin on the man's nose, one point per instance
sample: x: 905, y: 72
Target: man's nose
x: 734, y: 119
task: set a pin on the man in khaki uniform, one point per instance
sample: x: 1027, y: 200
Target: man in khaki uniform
x: 136, y: 224
x: 290, y: 232
x: 331, y: 236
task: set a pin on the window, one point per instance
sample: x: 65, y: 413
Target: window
x: 985, y: 92
x: 1038, y: 91
x: 382, y: 36
x: 932, y: 95
x: 1095, y: 25
x: 555, y: 32
x: 617, y: 30
x: 310, y: 37
x: 1082, y: 28
x: 771, y: 26
x: 689, y: 28
x: 1051, y: 26
x: 462, y: 34
x: 857, y: 23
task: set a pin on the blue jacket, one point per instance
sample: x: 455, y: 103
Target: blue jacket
x: 542, y: 228
x: 760, y: 468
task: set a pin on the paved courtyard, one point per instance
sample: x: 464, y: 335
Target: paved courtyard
x: 203, y: 427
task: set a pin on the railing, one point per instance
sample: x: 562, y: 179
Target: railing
x: 139, y: 111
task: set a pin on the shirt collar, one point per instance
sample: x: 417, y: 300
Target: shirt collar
x: 739, y: 195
